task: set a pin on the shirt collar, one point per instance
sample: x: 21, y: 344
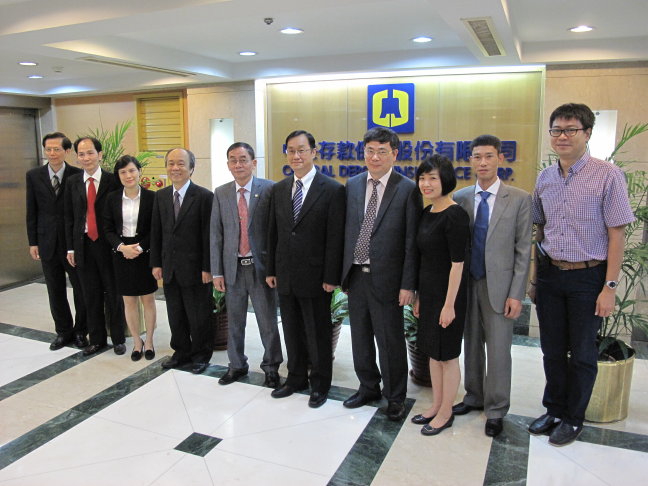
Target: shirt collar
x: 59, y: 173
x: 493, y: 189
x: 247, y: 187
x: 96, y: 176
x: 139, y: 193
x: 308, y: 178
x: 578, y: 165
x: 182, y: 190
x: 384, y: 179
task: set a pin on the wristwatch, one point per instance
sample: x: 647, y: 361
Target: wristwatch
x: 611, y: 284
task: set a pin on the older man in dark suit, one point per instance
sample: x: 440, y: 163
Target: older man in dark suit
x: 88, y: 249
x: 239, y: 223
x: 380, y: 271
x: 304, y: 263
x: 180, y: 255
x: 46, y: 235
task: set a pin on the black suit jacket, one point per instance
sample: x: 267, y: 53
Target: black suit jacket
x: 76, y: 202
x: 306, y: 253
x: 113, y: 219
x: 45, y: 210
x: 181, y: 247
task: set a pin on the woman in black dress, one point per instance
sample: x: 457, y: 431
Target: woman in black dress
x: 442, y: 237
x: 128, y: 225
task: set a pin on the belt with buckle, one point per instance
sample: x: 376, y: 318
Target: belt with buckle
x: 363, y: 268
x: 563, y: 265
x: 246, y: 261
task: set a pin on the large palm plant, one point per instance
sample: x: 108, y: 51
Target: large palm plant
x: 112, y: 140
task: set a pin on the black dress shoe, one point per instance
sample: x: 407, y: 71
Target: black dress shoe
x: 172, y: 362
x: 564, y: 434
x: 231, y: 376
x: 93, y: 348
x: 119, y: 349
x: 58, y: 343
x: 272, y: 379
x: 317, y: 399
x: 358, y: 399
x: 395, y: 410
x: 421, y: 419
x: 543, y: 424
x: 494, y: 427
x: 462, y: 408
x: 149, y: 354
x: 429, y: 430
x: 80, y: 341
x: 198, y: 368
x: 286, y: 390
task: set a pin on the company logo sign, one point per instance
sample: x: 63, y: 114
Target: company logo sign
x: 391, y: 106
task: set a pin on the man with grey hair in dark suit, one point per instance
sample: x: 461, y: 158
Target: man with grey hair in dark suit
x: 238, y: 239
x: 379, y: 271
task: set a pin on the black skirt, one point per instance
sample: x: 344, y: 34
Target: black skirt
x: 133, y: 277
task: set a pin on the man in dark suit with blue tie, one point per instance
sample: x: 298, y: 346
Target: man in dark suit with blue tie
x: 380, y: 271
x: 88, y: 249
x: 180, y: 255
x: 239, y: 234
x: 305, y: 240
x: 46, y: 235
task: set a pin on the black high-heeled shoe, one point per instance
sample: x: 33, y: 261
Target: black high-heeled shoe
x: 137, y: 355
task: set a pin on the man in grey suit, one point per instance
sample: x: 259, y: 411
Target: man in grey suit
x: 500, y: 224
x: 379, y: 271
x: 238, y: 238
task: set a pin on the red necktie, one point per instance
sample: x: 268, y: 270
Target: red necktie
x: 244, y: 241
x: 91, y: 217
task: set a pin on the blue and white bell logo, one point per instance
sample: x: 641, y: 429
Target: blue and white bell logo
x: 391, y: 106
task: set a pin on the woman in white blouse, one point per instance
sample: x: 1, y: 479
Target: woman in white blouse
x: 128, y: 227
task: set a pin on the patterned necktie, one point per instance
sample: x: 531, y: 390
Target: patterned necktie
x: 176, y: 204
x: 56, y: 184
x: 91, y: 217
x: 480, y: 230
x: 297, y: 199
x: 244, y: 241
x: 361, y: 253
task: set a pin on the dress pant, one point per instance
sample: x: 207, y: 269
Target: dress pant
x: 189, y: 309
x: 308, y: 334
x: 102, y: 302
x: 264, y: 301
x: 488, y: 336
x: 565, y: 302
x: 372, y: 316
x: 54, y: 271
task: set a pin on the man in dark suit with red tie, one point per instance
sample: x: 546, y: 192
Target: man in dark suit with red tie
x: 88, y: 249
x: 180, y: 255
x: 46, y: 235
x: 305, y: 243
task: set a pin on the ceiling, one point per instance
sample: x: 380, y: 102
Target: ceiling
x: 202, y: 38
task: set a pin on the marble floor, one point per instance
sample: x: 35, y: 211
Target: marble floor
x: 67, y: 419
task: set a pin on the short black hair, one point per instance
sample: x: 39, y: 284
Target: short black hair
x: 123, y: 161
x: 486, y: 141
x: 97, y: 144
x: 382, y: 135
x: 446, y: 171
x: 579, y: 111
x: 65, y: 142
x: 244, y: 145
x: 308, y: 135
x: 192, y: 157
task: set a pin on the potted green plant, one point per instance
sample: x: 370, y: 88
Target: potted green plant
x: 339, y: 312
x: 610, y: 397
x: 220, y: 323
x: 420, y: 372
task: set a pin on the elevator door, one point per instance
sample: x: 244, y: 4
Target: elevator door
x: 18, y: 154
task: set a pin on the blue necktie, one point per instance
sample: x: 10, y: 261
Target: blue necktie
x: 297, y: 199
x: 480, y: 230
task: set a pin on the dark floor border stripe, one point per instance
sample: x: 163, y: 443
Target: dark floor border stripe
x: 32, y: 440
x: 25, y: 332
x: 363, y: 461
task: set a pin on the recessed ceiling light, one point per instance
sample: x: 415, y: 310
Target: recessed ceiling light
x: 28, y: 63
x: 581, y: 28
x: 291, y: 31
x: 35, y: 76
x: 422, y: 39
x: 247, y: 53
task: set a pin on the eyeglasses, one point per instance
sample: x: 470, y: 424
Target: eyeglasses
x: 570, y: 132
x: 380, y: 153
x: 299, y: 152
